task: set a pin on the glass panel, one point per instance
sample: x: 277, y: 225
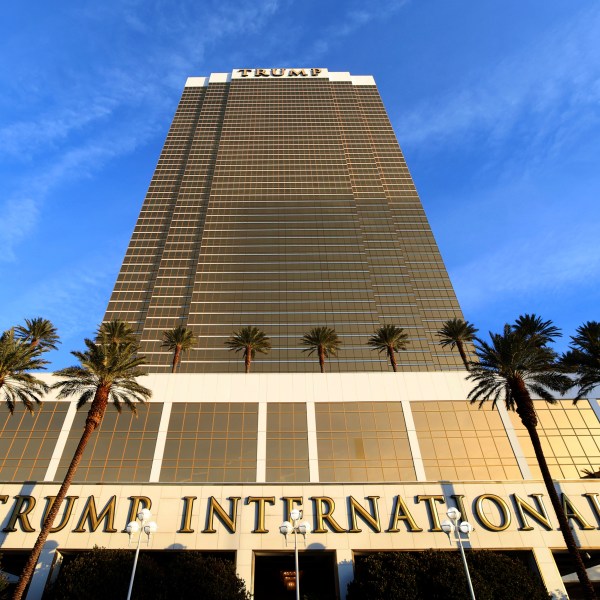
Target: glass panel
x: 211, y: 442
x: 568, y: 434
x: 368, y: 441
x: 120, y: 450
x: 459, y: 440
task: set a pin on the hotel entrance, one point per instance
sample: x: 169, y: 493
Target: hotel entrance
x: 275, y: 576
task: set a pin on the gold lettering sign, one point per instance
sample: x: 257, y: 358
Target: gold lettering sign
x: 227, y: 519
x: 23, y: 506
x: 67, y: 511
x: 432, y: 510
x: 595, y: 504
x: 289, y: 505
x: 137, y: 503
x: 324, y: 507
x: 90, y: 519
x: 244, y: 73
x: 500, y: 505
x: 260, y: 511
x: 370, y: 518
x: 188, y: 504
x: 540, y: 515
x: 89, y: 514
x: 401, y: 513
x: 572, y: 513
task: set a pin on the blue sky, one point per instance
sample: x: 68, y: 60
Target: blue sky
x: 496, y: 106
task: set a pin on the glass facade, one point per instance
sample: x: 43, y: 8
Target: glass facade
x: 27, y: 440
x: 363, y: 441
x: 121, y: 450
x: 570, y: 437
x: 284, y: 204
x: 287, y: 442
x: 459, y: 441
x: 211, y: 442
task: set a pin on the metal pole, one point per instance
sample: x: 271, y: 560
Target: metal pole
x: 296, y: 557
x: 464, y: 558
x: 137, y: 552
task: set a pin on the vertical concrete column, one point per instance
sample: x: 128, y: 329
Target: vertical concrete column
x: 42, y: 571
x: 313, y: 449
x: 413, y: 440
x: 61, y: 442
x: 244, y: 565
x: 514, y: 440
x: 550, y: 574
x: 261, y: 442
x: 345, y: 565
x: 161, y: 440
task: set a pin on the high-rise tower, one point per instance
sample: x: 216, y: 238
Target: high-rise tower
x: 282, y: 200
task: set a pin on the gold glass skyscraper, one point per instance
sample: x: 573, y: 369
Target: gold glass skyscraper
x: 282, y: 200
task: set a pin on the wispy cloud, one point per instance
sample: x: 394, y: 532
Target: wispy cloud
x: 541, y: 94
x: 112, y: 109
x: 355, y: 16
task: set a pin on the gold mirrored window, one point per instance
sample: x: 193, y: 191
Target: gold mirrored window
x: 287, y: 442
x: 363, y: 441
x: 121, y: 450
x: 570, y: 437
x: 27, y: 440
x: 459, y: 441
x: 211, y: 442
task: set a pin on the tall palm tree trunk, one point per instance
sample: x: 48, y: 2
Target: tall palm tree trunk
x: 91, y: 424
x: 176, y: 358
x: 463, y: 354
x: 392, y: 356
x: 248, y: 359
x: 322, y: 358
x: 526, y: 412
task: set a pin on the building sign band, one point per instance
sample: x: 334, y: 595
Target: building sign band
x: 491, y: 511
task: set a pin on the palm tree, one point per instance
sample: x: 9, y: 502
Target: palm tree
x: 583, y: 358
x: 179, y: 339
x: 115, y: 332
x: 16, y: 383
x: 515, y: 363
x: 455, y: 333
x: 107, y: 371
x: 251, y: 340
x: 322, y: 340
x: 390, y: 339
x: 538, y: 330
x: 38, y: 332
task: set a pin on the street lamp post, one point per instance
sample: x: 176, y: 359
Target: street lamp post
x: 147, y: 527
x: 295, y: 527
x: 459, y: 527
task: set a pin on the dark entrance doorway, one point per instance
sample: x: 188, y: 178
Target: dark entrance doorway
x: 274, y: 576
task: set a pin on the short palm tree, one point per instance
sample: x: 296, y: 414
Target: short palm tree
x: 179, y: 339
x: 38, y: 332
x: 115, y: 332
x: 389, y: 339
x: 17, y: 358
x: 322, y: 340
x: 513, y: 364
x: 251, y: 340
x: 583, y: 358
x: 455, y: 333
x: 107, y: 372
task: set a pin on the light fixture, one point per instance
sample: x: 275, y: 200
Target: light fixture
x: 148, y: 527
x: 287, y: 528
x: 458, y: 527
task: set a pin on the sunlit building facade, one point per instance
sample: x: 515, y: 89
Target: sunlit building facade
x: 282, y: 200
